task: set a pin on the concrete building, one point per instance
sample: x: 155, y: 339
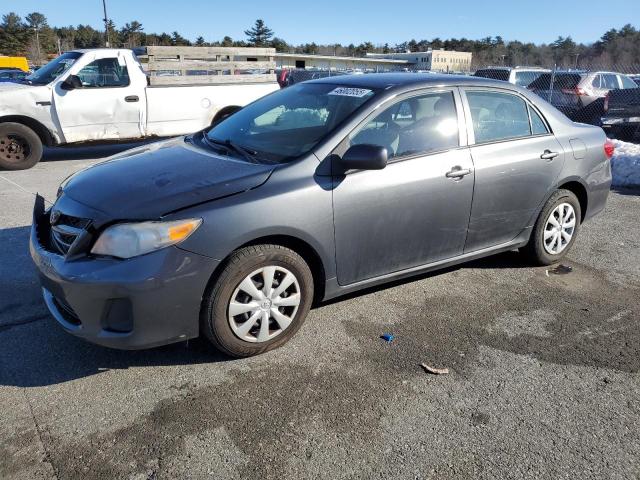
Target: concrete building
x: 330, y: 62
x: 435, y: 60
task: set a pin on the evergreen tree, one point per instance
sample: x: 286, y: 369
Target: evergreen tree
x: 259, y: 35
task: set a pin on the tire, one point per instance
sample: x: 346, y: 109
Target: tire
x: 541, y: 251
x: 253, y: 264
x: 20, y: 147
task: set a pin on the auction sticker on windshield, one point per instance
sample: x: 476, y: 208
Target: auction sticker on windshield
x: 349, y: 92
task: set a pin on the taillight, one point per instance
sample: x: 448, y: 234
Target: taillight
x: 609, y: 148
x: 606, y: 102
x: 574, y: 91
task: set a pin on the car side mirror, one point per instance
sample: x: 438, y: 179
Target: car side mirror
x: 71, y: 83
x: 364, y: 157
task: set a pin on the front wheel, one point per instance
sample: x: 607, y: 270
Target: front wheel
x: 20, y: 147
x: 259, y: 300
x: 556, y: 229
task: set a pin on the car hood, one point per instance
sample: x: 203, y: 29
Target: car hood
x: 13, y: 86
x: 159, y: 178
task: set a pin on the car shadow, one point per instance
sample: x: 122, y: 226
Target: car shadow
x: 627, y: 191
x: 510, y: 259
x: 36, y: 351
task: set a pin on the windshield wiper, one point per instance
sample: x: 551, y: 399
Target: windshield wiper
x: 247, y: 153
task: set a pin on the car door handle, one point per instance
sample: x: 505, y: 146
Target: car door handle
x: 549, y: 155
x: 131, y: 98
x: 457, y: 172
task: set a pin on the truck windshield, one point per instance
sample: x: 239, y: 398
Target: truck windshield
x: 289, y: 123
x: 53, y: 69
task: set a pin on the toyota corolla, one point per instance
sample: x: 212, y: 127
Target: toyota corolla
x: 315, y: 191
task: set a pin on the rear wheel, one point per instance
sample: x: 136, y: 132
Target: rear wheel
x: 259, y: 300
x: 556, y: 229
x: 20, y: 147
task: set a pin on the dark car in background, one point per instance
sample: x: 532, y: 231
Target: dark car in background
x: 580, y: 95
x: 12, y: 75
x: 288, y: 77
x: 621, y: 117
x: 312, y: 192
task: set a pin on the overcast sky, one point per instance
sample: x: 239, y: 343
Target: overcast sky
x: 355, y: 21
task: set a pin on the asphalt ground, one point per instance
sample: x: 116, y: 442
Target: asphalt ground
x: 543, y: 374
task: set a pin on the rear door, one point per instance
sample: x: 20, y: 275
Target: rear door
x: 517, y: 160
x: 416, y: 210
x: 108, y: 106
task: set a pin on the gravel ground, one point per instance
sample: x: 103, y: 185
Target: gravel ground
x: 543, y: 378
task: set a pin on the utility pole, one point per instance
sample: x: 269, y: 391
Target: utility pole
x: 577, y: 55
x: 106, y: 24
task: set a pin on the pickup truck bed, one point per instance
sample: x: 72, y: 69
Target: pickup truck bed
x: 622, y: 114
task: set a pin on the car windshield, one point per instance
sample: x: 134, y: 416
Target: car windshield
x: 289, y: 123
x: 53, y: 69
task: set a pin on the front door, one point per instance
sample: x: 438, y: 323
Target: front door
x: 416, y: 210
x: 517, y: 161
x: 108, y: 106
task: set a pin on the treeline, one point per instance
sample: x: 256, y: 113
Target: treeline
x: 34, y: 38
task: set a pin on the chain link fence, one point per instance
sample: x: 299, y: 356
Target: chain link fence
x: 603, y: 95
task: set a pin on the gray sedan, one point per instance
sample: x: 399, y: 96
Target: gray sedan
x: 315, y: 191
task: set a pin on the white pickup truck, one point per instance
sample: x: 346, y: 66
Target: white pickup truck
x: 105, y: 95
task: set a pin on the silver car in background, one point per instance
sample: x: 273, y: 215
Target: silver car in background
x: 521, y: 76
x: 320, y: 189
x: 580, y: 95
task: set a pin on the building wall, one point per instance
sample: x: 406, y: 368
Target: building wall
x: 437, y: 60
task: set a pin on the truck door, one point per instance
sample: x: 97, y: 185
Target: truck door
x: 110, y: 104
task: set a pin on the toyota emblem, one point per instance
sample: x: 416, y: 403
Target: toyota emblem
x: 55, y: 216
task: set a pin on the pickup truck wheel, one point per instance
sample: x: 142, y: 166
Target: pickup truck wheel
x: 258, y: 302
x: 20, y: 147
x: 555, y: 230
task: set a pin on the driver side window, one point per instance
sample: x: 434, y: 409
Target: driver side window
x: 104, y: 73
x: 414, y: 126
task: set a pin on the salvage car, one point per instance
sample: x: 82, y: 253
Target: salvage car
x: 318, y: 190
x: 105, y: 95
x: 580, y: 95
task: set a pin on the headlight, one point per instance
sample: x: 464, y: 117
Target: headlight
x: 128, y: 240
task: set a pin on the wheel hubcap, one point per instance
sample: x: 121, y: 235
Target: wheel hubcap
x: 264, y: 304
x: 559, y: 229
x: 13, y: 148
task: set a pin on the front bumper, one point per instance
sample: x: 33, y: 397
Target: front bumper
x: 141, y: 302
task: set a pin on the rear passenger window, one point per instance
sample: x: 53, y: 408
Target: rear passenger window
x: 538, y: 127
x: 417, y: 125
x: 609, y: 81
x: 596, y: 82
x: 498, y: 116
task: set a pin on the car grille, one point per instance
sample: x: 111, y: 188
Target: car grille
x: 66, y: 231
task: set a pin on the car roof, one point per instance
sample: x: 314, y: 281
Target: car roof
x: 387, y: 81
